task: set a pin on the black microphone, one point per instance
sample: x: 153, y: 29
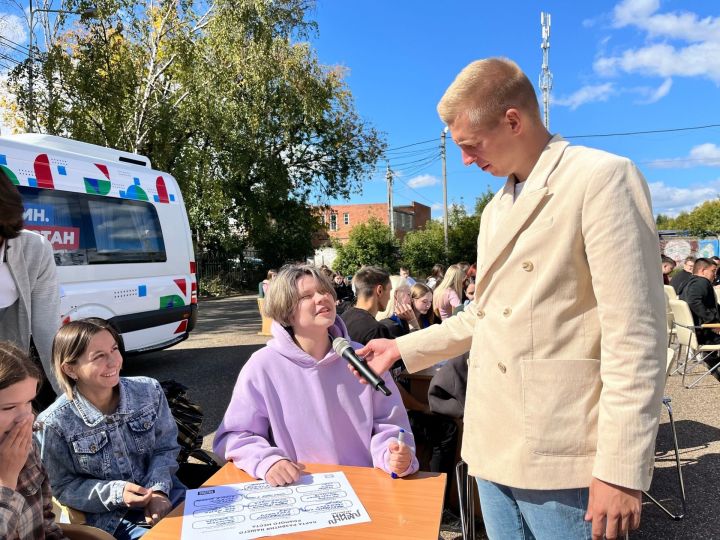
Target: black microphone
x: 341, y: 346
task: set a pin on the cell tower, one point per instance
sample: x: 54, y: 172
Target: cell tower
x: 546, y: 78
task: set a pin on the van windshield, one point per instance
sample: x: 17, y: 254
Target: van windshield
x: 92, y: 229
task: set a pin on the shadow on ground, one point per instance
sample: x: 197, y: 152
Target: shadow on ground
x: 190, y: 367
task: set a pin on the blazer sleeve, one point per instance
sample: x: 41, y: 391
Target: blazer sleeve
x: 618, y: 224
x: 45, y: 310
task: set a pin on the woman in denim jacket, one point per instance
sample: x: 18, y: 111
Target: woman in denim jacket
x: 110, y: 443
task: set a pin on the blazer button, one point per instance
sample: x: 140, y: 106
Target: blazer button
x: 502, y: 367
x: 480, y: 314
x: 507, y: 312
x: 527, y: 266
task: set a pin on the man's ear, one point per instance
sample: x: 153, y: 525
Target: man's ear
x: 379, y: 289
x: 514, y: 120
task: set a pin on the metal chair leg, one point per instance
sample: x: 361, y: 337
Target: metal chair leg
x: 466, y: 496
x: 681, y: 483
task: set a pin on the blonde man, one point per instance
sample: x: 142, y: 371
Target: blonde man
x: 566, y: 375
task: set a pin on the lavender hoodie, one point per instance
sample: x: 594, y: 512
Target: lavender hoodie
x: 287, y: 405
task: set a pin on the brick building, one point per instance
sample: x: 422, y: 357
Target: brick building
x: 340, y: 219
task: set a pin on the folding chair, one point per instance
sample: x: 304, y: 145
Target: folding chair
x: 466, y: 500
x: 685, y: 330
x: 681, y: 483
x: 669, y: 319
x: 670, y: 292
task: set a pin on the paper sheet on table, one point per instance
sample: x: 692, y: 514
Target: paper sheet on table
x: 255, y: 509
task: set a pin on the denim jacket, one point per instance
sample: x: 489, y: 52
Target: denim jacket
x: 90, y: 456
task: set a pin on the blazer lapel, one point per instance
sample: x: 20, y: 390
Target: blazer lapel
x: 510, y: 217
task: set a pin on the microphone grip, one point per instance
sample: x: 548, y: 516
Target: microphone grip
x: 370, y: 376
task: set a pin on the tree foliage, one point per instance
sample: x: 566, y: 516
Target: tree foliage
x: 229, y: 98
x: 369, y: 243
x: 703, y: 220
x: 424, y: 248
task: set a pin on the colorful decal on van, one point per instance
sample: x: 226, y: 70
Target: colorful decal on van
x: 103, y: 169
x: 134, y: 192
x: 10, y: 174
x: 182, y: 285
x: 162, y: 196
x: 171, y: 301
x: 43, y: 174
x: 94, y: 186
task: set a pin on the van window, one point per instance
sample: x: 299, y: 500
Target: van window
x: 92, y: 229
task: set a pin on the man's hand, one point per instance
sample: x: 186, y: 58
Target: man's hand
x: 380, y: 354
x: 14, y: 451
x: 400, y: 457
x: 136, y: 496
x: 157, y: 508
x: 284, y: 472
x: 613, y: 510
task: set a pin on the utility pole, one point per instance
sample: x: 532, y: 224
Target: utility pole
x: 443, y: 136
x: 391, y: 213
x: 546, y: 78
x: 31, y: 98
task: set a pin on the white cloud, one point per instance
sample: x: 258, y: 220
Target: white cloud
x: 436, y: 206
x: 12, y: 27
x: 587, y: 94
x: 697, y: 54
x: 673, y: 200
x: 703, y: 155
x: 655, y: 94
x: 423, y: 180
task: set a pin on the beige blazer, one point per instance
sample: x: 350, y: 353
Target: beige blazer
x: 567, y: 332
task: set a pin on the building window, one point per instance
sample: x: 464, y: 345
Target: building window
x: 333, y: 221
x: 346, y: 218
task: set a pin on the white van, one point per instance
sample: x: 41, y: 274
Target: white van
x: 120, y: 233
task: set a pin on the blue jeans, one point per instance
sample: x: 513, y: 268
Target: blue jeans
x: 528, y: 514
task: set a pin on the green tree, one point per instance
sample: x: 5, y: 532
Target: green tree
x: 424, y: 248
x: 705, y: 219
x: 230, y: 98
x: 369, y: 243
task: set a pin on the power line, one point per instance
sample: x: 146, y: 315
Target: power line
x: 14, y: 45
x: 9, y: 59
x: 617, y: 134
x: 626, y: 133
x: 409, y: 145
x: 415, y: 161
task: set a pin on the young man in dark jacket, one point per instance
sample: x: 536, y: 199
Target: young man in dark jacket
x: 699, y: 294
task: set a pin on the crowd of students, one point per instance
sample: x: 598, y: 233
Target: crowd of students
x: 107, y: 446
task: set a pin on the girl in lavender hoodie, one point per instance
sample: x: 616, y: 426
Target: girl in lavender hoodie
x: 296, y: 401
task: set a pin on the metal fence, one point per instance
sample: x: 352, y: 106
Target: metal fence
x: 219, y: 275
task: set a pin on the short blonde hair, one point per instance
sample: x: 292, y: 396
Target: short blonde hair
x: 485, y: 89
x: 283, y: 297
x: 71, y: 342
x: 398, y: 284
x: 453, y: 279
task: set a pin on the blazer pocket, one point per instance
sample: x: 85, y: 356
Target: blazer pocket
x: 560, y: 405
x: 538, y: 226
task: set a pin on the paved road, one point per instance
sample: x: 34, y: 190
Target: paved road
x: 209, y: 361
x: 226, y: 335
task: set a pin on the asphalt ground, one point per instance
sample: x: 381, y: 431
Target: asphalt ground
x: 226, y: 335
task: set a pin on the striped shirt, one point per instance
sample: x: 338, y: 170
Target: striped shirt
x: 26, y: 512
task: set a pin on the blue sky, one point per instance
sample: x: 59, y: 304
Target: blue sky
x: 618, y: 66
